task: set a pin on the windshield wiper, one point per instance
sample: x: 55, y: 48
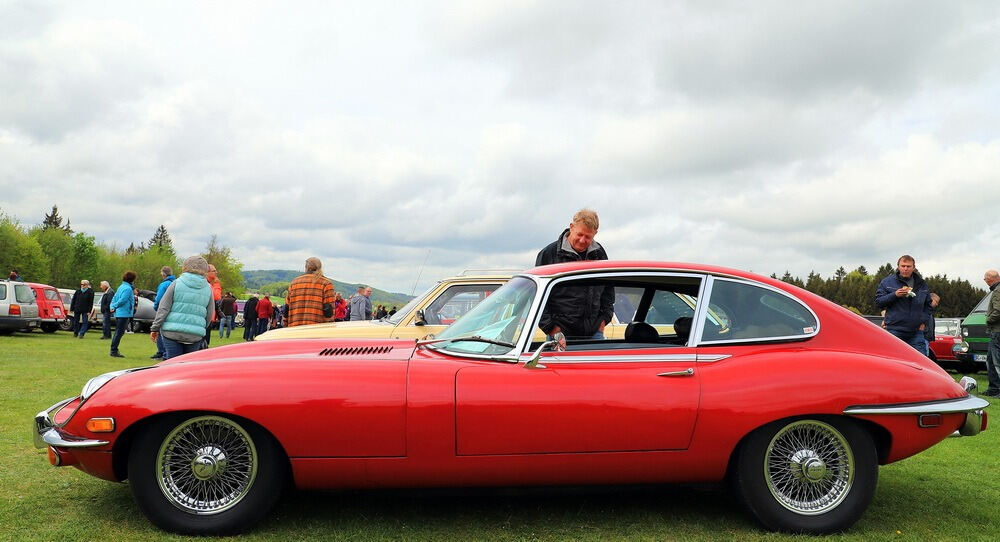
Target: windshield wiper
x: 471, y: 338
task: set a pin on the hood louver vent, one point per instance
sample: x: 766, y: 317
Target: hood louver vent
x: 356, y: 351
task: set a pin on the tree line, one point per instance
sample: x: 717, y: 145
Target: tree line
x: 855, y: 290
x: 52, y: 253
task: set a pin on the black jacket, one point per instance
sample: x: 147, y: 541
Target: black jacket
x: 250, y: 309
x: 106, y: 302
x: 577, y: 310
x: 904, y: 314
x: 82, y: 302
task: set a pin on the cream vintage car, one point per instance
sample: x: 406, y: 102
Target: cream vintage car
x: 428, y: 313
x: 435, y: 309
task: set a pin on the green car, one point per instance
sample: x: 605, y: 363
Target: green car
x: 972, y: 355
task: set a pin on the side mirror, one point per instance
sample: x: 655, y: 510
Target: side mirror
x: 558, y: 343
x: 420, y: 320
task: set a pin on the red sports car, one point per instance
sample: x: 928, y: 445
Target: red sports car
x: 793, y: 399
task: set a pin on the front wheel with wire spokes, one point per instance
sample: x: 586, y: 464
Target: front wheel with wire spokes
x: 205, y: 474
x: 807, y: 475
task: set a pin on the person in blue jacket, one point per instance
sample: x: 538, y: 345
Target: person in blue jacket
x: 906, y: 299
x: 167, y: 273
x: 123, y: 307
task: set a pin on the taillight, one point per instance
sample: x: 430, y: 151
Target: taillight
x: 15, y: 310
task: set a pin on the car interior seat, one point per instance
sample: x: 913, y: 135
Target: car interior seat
x: 640, y: 332
x: 682, y: 327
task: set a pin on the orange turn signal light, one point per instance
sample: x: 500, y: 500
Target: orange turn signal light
x: 101, y: 425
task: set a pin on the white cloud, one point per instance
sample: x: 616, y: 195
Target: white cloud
x: 393, y: 141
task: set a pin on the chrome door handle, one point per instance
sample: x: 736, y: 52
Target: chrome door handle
x: 686, y: 372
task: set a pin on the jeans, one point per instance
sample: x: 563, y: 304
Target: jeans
x: 106, y: 325
x: 261, y: 325
x: 915, y: 339
x: 160, y: 352
x: 993, y: 364
x: 172, y: 348
x: 80, y: 323
x: 120, y: 325
x: 225, y: 323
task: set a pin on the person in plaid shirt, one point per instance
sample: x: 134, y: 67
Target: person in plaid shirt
x: 310, y: 296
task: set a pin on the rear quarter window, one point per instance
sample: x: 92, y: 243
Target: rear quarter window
x: 3, y: 291
x: 747, y: 312
x: 52, y: 295
x: 24, y: 294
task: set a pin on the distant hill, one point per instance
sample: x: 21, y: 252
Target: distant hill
x: 279, y: 278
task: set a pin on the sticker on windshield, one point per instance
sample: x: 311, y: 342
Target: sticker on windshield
x: 808, y: 329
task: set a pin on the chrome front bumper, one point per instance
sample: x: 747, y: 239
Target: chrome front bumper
x: 46, y: 434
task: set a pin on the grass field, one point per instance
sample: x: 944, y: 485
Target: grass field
x: 950, y: 492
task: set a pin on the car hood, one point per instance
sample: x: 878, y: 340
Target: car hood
x: 320, y: 349
x: 331, y: 330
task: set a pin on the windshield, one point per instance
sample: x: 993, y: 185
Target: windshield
x: 981, y: 307
x: 408, y: 308
x: 499, y: 317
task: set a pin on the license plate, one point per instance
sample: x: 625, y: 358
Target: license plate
x: 979, y: 357
x: 58, y: 312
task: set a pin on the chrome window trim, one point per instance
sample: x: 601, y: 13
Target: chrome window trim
x: 700, y: 325
x: 667, y: 358
x: 638, y: 358
x: 545, y: 285
x: 968, y: 403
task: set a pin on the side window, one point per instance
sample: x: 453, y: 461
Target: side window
x: 24, y: 294
x: 456, y: 301
x: 741, y: 311
x: 52, y: 295
x: 3, y: 291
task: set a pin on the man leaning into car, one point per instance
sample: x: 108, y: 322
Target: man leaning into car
x: 992, y: 278
x: 577, y: 311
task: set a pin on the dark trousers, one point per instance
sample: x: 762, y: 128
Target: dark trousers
x: 106, y: 324
x: 262, y: 325
x: 80, y: 323
x: 120, y: 325
x: 249, y: 329
x: 993, y: 364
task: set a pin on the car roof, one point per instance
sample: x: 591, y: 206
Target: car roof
x: 40, y: 285
x: 637, y: 265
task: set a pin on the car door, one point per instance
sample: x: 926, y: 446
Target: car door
x: 601, y: 396
x: 596, y: 401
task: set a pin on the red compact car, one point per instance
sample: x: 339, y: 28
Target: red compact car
x: 50, y: 307
x: 721, y: 373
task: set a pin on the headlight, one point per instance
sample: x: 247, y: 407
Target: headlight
x: 95, y: 383
x: 965, y: 332
x: 962, y: 347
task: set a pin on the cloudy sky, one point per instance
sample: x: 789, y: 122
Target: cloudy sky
x: 397, y: 139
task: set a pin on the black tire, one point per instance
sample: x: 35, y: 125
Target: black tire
x: 177, y: 459
x: 813, y: 475
x: 66, y: 325
x: 50, y: 327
